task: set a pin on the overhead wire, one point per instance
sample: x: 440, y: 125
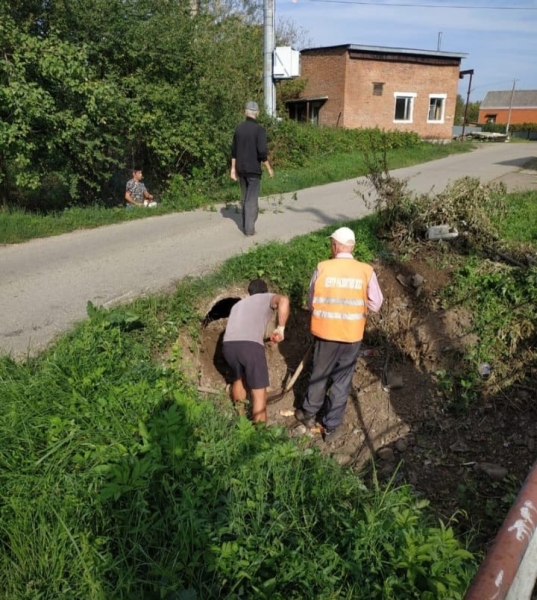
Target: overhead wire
x: 408, y: 5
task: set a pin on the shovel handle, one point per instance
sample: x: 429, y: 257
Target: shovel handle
x: 298, y: 370
x: 278, y: 394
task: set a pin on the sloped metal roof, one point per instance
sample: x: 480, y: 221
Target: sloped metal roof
x: 502, y: 99
x: 384, y: 49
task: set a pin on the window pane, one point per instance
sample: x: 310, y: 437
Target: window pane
x: 314, y: 112
x: 435, y: 109
x: 403, y: 108
x: 400, y: 109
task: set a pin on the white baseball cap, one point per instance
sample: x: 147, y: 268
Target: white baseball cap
x: 344, y: 236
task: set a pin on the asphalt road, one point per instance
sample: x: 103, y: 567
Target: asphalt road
x: 46, y: 283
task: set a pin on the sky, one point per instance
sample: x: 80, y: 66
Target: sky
x: 500, y: 42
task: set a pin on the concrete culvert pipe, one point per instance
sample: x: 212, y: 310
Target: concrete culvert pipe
x: 220, y: 310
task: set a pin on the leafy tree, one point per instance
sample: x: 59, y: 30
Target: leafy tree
x: 57, y: 120
x: 459, y: 110
x: 90, y: 87
x: 472, y: 113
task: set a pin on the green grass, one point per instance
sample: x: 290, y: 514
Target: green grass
x: 520, y: 224
x: 18, y: 226
x: 119, y: 481
x: 339, y: 167
x: 501, y: 296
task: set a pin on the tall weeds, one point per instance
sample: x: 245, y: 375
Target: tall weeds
x: 118, y: 481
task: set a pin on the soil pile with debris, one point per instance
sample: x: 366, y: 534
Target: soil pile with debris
x: 396, y: 417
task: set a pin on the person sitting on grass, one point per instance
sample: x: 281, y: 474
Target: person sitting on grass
x: 136, y: 193
x: 243, y: 344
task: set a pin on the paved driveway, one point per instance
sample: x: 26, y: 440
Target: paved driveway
x: 46, y: 283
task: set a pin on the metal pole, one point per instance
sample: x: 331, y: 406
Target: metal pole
x: 496, y: 575
x: 461, y: 75
x: 510, y: 108
x: 268, y: 53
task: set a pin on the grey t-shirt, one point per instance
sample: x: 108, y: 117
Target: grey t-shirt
x: 249, y: 319
x: 137, y: 189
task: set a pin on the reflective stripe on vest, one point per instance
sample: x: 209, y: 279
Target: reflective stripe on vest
x: 339, y: 300
x: 344, y: 301
x: 324, y: 314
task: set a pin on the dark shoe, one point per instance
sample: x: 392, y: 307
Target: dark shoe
x: 333, y: 435
x: 250, y: 234
x: 305, y: 417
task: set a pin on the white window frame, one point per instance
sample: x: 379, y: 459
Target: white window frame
x: 442, y: 97
x: 411, y: 96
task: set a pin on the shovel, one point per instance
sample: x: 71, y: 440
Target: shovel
x: 275, y: 395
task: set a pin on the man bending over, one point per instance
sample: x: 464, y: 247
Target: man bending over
x: 243, y: 344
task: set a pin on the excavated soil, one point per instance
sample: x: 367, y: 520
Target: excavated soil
x: 469, y: 464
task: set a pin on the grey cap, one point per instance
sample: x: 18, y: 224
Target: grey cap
x: 252, y: 106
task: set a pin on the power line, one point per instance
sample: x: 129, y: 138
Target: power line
x: 425, y: 5
x: 487, y: 85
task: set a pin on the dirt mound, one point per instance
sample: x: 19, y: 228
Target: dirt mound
x: 396, y: 418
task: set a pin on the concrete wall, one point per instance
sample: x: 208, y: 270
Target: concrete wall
x: 348, y: 83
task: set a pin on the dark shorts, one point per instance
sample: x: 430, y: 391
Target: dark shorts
x: 248, y: 360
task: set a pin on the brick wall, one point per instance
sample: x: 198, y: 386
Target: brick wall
x: 518, y: 115
x: 348, y: 83
x: 325, y: 73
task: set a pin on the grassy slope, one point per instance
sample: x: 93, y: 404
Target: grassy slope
x: 521, y: 224
x: 119, y: 481
x: 19, y: 226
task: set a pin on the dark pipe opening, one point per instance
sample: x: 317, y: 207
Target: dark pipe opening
x: 220, y: 310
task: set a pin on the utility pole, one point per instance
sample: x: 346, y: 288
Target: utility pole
x: 510, y: 108
x: 461, y: 76
x: 268, y: 54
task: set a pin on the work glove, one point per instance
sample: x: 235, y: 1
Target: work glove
x: 277, y: 335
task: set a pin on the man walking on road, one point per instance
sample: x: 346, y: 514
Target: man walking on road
x: 341, y: 292
x: 243, y: 345
x: 248, y: 151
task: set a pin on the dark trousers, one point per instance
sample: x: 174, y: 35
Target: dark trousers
x: 333, y: 366
x: 249, y: 202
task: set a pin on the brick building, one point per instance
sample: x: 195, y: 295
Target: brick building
x: 371, y: 86
x: 495, y: 107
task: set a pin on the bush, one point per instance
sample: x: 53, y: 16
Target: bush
x: 293, y: 144
x: 494, y: 127
x: 474, y: 208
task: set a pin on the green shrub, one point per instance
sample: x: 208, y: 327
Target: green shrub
x: 293, y: 144
x: 117, y: 480
x: 494, y: 127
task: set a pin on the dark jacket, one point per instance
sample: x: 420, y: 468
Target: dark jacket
x: 249, y: 148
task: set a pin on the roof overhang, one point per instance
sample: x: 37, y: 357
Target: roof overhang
x: 389, y: 49
x: 311, y: 99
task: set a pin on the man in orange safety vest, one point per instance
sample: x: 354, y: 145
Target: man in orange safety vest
x: 342, y: 291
